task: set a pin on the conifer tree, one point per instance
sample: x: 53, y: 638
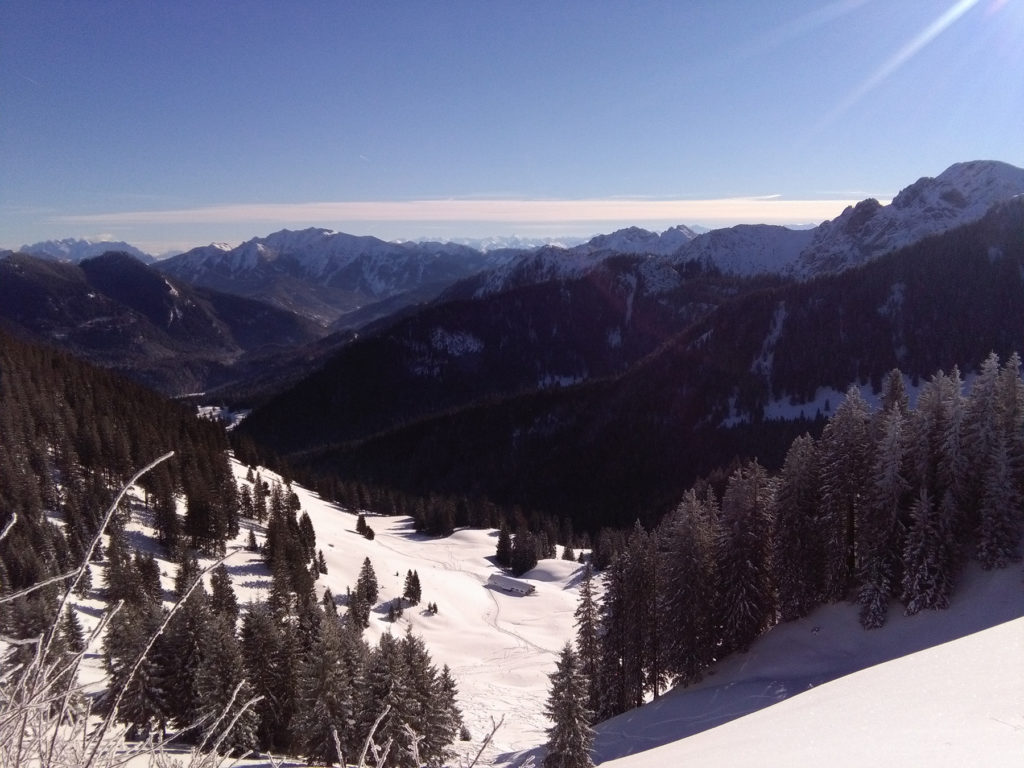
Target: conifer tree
x: 366, y: 584
x: 358, y: 614
x: 448, y: 723
x: 271, y: 656
x: 982, y: 430
x: 928, y: 560
x: 222, y: 595
x: 222, y: 691
x: 880, y: 527
x: 524, y: 552
x: 412, y: 592
x: 148, y: 571
x: 619, y: 691
x: 894, y: 393
x: 423, y: 712
x: 799, y: 541
x: 503, y: 555
x: 182, y: 647
x: 71, y: 631
x: 570, y: 738
x: 387, y: 686
x: 743, y: 554
x: 844, y: 452
x: 687, y: 599
x: 327, y: 699
x: 330, y: 606
x: 587, y: 638
x: 145, y: 703
x: 999, y: 526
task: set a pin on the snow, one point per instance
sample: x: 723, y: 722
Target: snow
x: 961, y: 194
x: 635, y: 240
x: 747, y: 249
x: 938, y: 689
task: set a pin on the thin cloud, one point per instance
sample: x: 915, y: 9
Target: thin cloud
x: 759, y: 209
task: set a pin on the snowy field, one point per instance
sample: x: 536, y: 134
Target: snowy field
x: 500, y: 647
x: 942, y: 688
x: 938, y: 689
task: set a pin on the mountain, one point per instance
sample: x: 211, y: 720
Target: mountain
x: 959, y: 195
x: 554, y: 262
x: 747, y: 249
x: 118, y: 312
x: 635, y: 240
x: 962, y: 193
x: 323, y: 275
x: 540, y: 336
x: 626, y: 443
x: 515, y: 242
x: 75, y: 250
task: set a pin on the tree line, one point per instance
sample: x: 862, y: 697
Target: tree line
x: 885, y: 507
x: 289, y: 674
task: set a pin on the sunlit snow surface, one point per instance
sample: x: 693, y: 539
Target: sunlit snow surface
x: 956, y: 704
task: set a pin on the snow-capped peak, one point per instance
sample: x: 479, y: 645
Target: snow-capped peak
x: 959, y: 195
x: 635, y: 240
x: 76, y: 249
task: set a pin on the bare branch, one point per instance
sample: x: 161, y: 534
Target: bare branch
x: 487, y: 740
x: 8, y: 526
x: 369, y: 736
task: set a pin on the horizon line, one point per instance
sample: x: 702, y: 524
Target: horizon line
x: 761, y: 209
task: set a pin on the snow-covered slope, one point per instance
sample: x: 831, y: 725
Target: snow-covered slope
x: 747, y: 249
x: 952, y: 705
x: 939, y: 689
x: 959, y: 195
x: 500, y: 647
x: 72, y: 249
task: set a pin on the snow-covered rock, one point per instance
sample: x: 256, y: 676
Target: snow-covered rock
x: 961, y: 194
x: 637, y: 241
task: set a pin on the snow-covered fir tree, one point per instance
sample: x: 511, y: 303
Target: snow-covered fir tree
x: 687, y: 599
x: 880, y: 525
x: 799, y: 546
x: 746, y: 598
x: 587, y: 638
x: 844, y: 452
x: 570, y: 738
x: 327, y: 698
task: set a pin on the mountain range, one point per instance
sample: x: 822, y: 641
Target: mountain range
x: 75, y: 250
x: 596, y: 380
x: 532, y: 395
x: 327, y: 275
x: 115, y: 311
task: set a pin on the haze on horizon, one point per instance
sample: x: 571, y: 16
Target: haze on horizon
x: 170, y: 126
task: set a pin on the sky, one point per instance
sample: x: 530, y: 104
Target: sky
x: 172, y: 125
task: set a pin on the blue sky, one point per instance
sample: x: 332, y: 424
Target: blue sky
x: 171, y: 125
